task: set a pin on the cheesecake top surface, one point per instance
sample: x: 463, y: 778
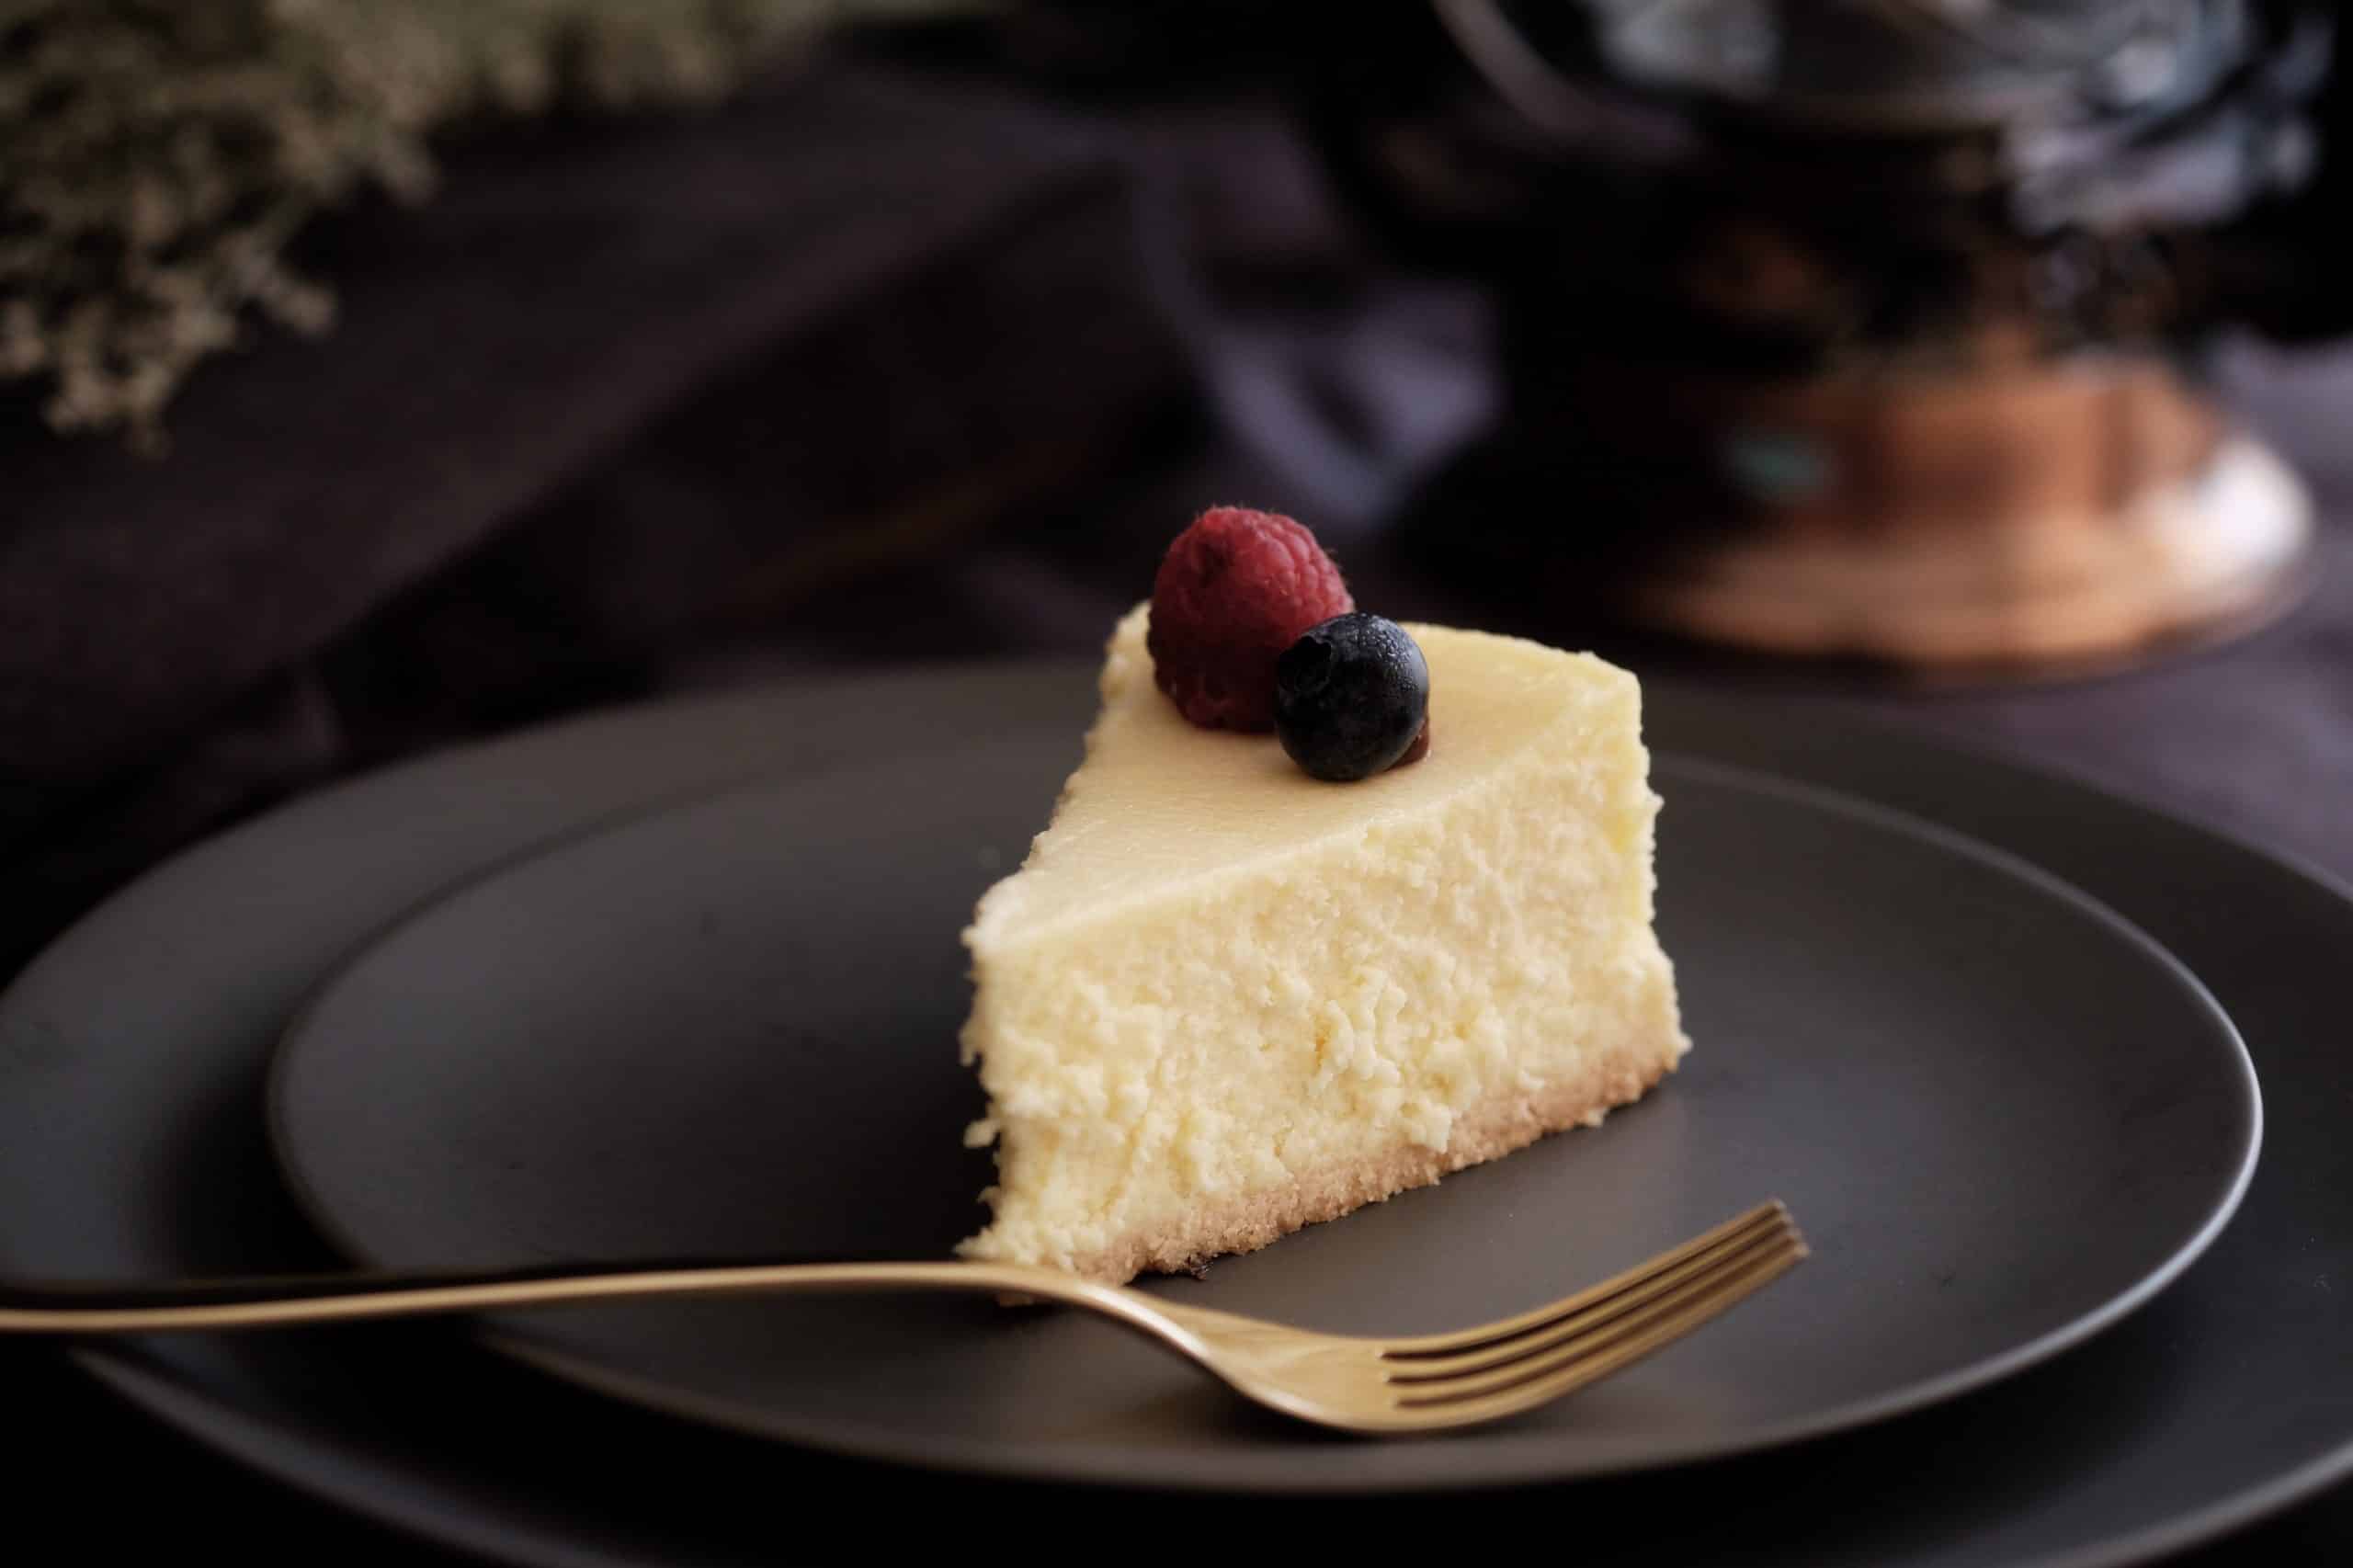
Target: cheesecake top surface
x: 1160, y: 802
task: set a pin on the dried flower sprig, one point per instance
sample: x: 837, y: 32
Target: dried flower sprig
x: 157, y: 157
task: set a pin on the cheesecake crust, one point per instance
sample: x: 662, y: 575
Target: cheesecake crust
x: 1495, y: 1127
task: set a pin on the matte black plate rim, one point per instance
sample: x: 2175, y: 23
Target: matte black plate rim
x: 1503, y: 1457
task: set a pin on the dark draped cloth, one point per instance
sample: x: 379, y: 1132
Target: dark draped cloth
x: 867, y: 367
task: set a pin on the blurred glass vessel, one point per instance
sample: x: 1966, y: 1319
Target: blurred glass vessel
x: 1859, y: 327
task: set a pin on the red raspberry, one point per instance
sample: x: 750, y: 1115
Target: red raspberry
x: 1236, y: 589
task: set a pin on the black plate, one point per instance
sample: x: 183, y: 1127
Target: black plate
x: 727, y: 1031
x: 131, y: 1058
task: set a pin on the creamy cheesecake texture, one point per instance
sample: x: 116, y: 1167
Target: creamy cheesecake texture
x: 1220, y: 1000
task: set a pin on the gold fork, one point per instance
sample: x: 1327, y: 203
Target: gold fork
x: 1420, y: 1384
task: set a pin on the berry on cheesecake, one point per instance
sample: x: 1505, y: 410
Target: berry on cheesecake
x: 1236, y: 589
x: 1352, y: 698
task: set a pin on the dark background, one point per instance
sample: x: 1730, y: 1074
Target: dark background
x: 897, y: 359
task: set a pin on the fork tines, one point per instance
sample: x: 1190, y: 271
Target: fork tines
x: 1542, y: 1355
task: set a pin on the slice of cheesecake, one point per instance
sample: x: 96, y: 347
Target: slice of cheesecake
x: 1220, y: 1000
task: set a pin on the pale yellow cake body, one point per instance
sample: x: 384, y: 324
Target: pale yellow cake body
x: 1221, y: 1000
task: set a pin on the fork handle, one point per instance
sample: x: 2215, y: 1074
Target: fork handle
x: 289, y: 1302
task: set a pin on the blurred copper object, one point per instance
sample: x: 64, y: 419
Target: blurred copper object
x: 1848, y: 327
x: 2046, y: 514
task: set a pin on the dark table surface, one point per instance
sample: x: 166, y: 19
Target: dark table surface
x: 1020, y: 513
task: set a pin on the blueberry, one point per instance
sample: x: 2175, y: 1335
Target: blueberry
x: 1351, y: 697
